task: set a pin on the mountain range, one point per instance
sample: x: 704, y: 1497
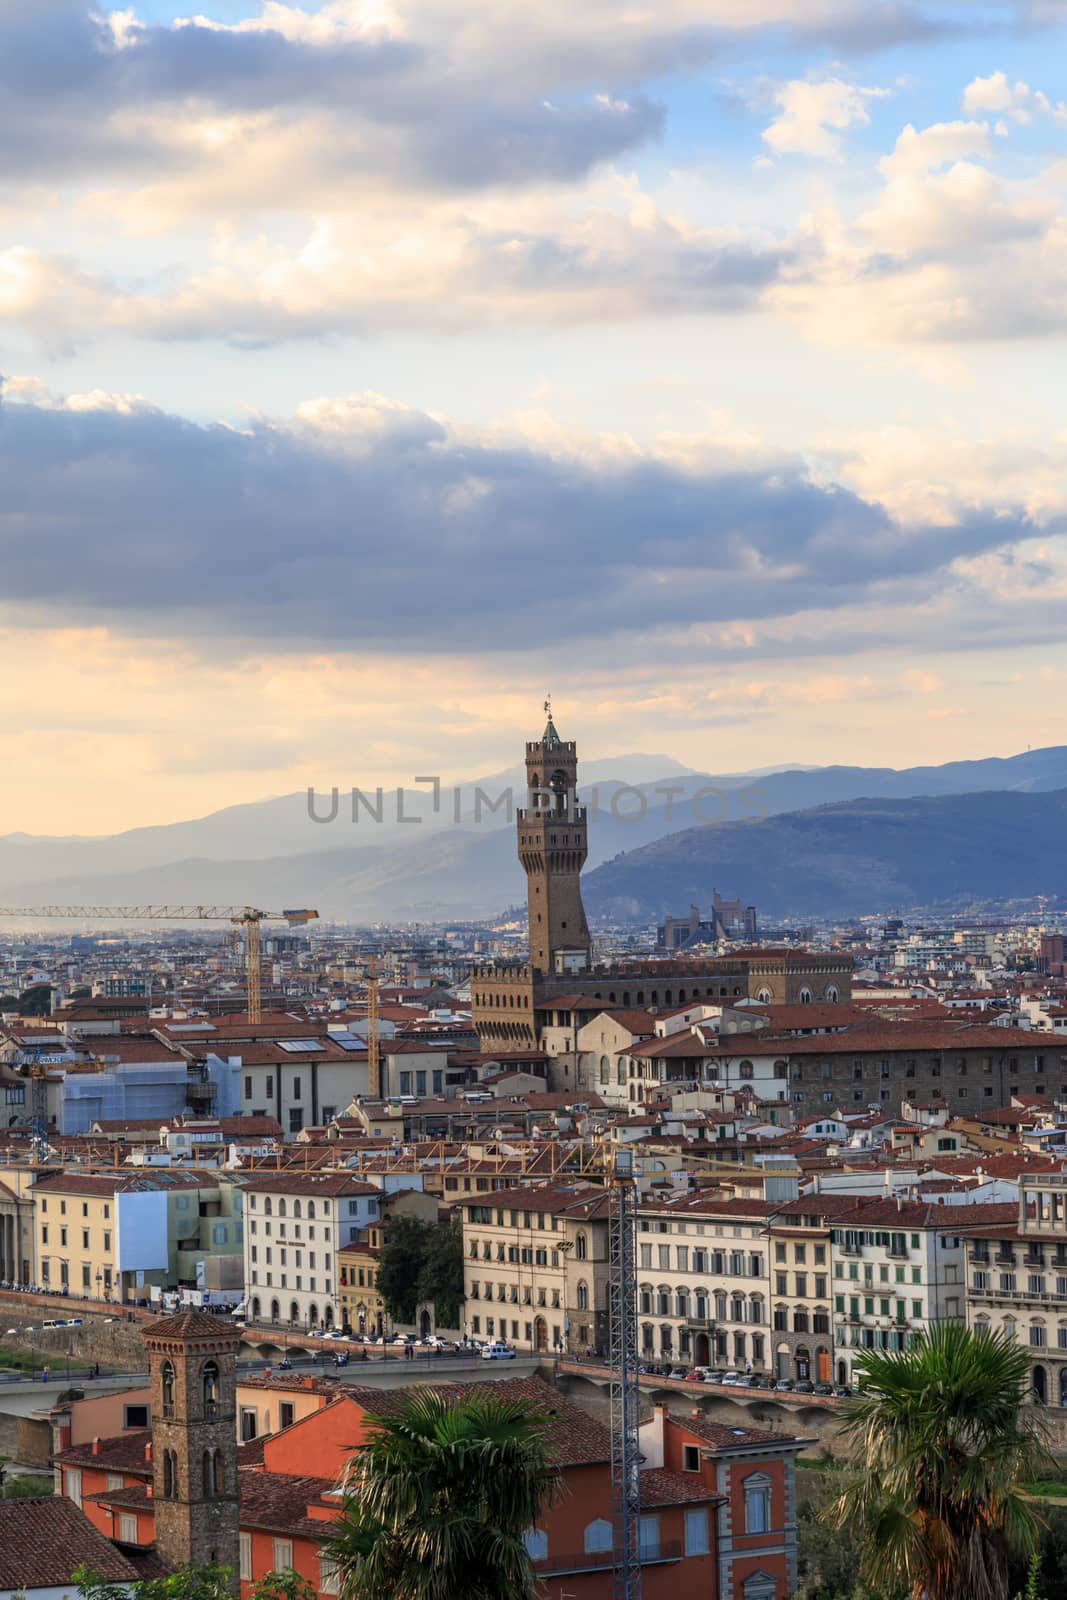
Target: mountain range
x: 798, y: 840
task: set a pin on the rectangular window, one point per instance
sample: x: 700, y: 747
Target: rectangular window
x: 696, y: 1532
x: 73, y: 1484
x: 134, y: 1417
x: 246, y: 1557
x: 329, y: 1578
x: 690, y: 1458
x: 757, y: 1507
x: 282, y: 1554
x: 286, y: 1414
x: 648, y: 1537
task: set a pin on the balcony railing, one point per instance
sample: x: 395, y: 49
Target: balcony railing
x: 557, y: 1566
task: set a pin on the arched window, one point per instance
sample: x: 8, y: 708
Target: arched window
x: 764, y: 997
x: 746, y: 1069
x: 170, y: 1475
x: 275, y: 1311
x: 800, y: 1320
x: 536, y: 1542
x: 218, y: 1473
x: 681, y: 1303
x: 207, y: 1475
x: 663, y: 1302
x: 313, y: 1316
x: 805, y: 996
x: 620, y: 1070
x: 294, y: 1311
x: 255, y: 1308
x: 832, y: 992
x: 583, y: 1297
x: 737, y: 1308
x: 268, y: 1205
x: 311, y: 1210
x: 646, y: 1337
x: 209, y: 1373
x: 167, y: 1384
x: 296, y: 1208
x: 1063, y: 1386
x: 580, y: 1247
x: 598, y: 1537
x: 720, y: 1305
x: 605, y: 1070
x: 666, y: 1338
x: 755, y: 1312
x: 281, y: 1208
x: 646, y: 1299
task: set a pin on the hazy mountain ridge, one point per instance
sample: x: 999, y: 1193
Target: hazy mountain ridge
x: 271, y: 853
x: 861, y: 856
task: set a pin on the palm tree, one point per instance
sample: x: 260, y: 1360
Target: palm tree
x: 438, y: 1498
x: 945, y: 1445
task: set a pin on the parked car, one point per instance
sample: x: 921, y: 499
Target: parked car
x: 784, y: 1385
x: 335, y: 1333
x: 824, y: 1388
x: 757, y: 1381
x: 841, y: 1391
x: 716, y: 1375
x: 805, y: 1386
x: 402, y: 1338
x: 697, y: 1375
x: 733, y: 1380
x: 434, y: 1342
x: 498, y: 1351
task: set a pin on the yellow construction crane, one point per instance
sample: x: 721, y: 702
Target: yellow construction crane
x: 247, y: 917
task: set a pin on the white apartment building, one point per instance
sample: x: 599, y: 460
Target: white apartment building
x: 536, y: 1266
x: 703, y: 1286
x: 294, y: 1225
x: 898, y: 1266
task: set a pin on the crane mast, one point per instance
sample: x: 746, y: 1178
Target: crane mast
x: 624, y: 1388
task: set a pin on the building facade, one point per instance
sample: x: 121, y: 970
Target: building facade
x: 294, y: 1226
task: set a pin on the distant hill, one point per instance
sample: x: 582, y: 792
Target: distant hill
x: 843, y: 860
x: 270, y: 852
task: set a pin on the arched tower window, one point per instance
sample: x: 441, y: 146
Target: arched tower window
x: 170, y: 1475
x: 167, y: 1386
x: 207, y: 1475
x: 218, y: 1473
x: 580, y: 1247
x: 210, y: 1380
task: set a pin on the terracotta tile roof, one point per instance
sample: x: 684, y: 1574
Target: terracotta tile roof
x: 574, y: 1437
x: 43, y: 1541
x: 124, y: 1452
x: 721, y: 1437
x: 193, y: 1325
x: 332, y: 1185
x: 660, y: 1487
x: 279, y: 1500
x: 571, y: 1199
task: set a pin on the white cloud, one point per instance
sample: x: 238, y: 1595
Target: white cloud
x: 920, y: 151
x: 813, y: 115
x: 1015, y: 100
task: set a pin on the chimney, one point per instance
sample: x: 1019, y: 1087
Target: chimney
x: 900, y: 1202
x: 96, y: 1445
x: 148, y: 1451
x: 148, y: 1490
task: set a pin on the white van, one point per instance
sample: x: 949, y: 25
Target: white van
x: 497, y: 1351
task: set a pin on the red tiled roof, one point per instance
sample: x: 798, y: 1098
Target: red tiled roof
x: 193, y: 1325
x: 43, y: 1541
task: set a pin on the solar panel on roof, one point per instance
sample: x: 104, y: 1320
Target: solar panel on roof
x: 300, y: 1044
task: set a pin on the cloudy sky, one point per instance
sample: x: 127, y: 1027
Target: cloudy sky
x: 369, y: 368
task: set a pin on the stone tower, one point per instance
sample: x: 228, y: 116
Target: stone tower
x: 192, y: 1360
x: 553, y: 846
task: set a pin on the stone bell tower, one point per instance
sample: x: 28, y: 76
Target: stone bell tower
x: 192, y: 1360
x: 553, y: 845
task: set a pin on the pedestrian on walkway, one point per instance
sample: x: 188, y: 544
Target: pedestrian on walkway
x: 45, y: 1374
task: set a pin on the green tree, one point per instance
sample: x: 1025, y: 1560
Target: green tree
x: 945, y: 1444
x: 441, y: 1278
x: 438, y: 1499
x: 422, y: 1261
x: 188, y: 1583
x: 283, y: 1585
x: 400, y: 1267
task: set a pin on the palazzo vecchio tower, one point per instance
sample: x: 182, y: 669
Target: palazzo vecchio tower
x: 553, y: 844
